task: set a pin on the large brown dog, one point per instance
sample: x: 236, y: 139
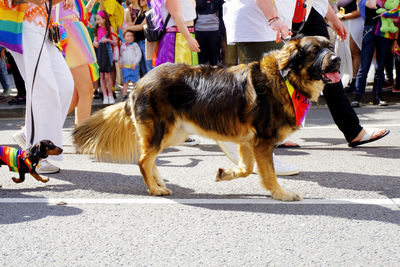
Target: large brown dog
x: 246, y: 104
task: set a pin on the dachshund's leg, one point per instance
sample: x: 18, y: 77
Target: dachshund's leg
x: 20, y: 179
x: 39, y: 178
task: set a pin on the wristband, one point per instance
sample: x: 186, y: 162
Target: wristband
x: 272, y: 20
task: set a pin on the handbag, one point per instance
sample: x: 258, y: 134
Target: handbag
x: 150, y: 32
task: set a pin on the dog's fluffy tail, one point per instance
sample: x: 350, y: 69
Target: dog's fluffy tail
x: 109, y: 134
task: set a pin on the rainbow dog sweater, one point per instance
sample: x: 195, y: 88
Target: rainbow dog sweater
x: 11, y: 157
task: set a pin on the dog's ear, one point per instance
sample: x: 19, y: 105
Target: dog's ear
x: 34, y: 151
x: 290, y: 56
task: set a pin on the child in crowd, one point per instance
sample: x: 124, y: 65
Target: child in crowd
x: 104, y: 39
x: 3, y: 73
x: 129, y: 60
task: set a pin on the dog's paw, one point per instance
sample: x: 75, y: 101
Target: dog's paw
x: 16, y: 180
x: 160, y: 191
x: 45, y: 179
x: 286, y: 196
x: 223, y: 175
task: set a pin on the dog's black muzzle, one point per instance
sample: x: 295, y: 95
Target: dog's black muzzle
x: 328, y: 72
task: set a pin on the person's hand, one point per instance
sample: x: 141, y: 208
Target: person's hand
x: 68, y: 4
x: 96, y: 44
x: 340, y: 30
x: 282, y: 30
x: 396, y: 48
x: 133, y: 66
x: 193, y: 44
x: 105, y: 40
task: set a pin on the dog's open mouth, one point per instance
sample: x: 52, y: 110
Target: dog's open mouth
x: 331, y: 77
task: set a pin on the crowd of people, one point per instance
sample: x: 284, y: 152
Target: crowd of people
x: 102, y: 45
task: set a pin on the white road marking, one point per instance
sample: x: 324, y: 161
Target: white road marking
x: 202, y: 201
x: 332, y: 126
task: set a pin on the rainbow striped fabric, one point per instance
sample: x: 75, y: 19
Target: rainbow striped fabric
x: 11, y: 155
x: 11, y: 25
x: 83, y: 14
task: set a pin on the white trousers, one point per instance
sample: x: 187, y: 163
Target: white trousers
x: 53, y: 88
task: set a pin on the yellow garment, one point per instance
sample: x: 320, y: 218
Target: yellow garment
x: 116, y: 13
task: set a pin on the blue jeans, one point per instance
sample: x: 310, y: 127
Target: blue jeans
x: 4, y: 74
x: 145, y: 65
x: 369, y: 43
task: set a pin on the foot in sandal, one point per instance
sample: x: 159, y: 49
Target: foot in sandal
x: 368, y: 135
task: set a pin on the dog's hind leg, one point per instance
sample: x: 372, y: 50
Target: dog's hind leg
x: 150, y: 172
x: 263, y: 156
x: 244, y: 169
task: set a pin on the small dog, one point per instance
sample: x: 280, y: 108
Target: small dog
x: 23, y: 162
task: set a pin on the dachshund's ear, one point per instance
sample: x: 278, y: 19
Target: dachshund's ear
x: 43, y: 149
x: 34, y: 152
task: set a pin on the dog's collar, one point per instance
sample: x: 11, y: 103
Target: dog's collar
x: 300, y: 103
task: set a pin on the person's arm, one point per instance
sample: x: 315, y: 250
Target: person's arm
x: 371, y: 4
x: 337, y: 25
x: 136, y: 28
x: 174, y: 8
x: 269, y: 10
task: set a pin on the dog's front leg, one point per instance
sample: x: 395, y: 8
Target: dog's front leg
x: 39, y: 178
x: 244, y: 169
x: 149, y: 171
x: 21, y: 177
x: 263, y: 155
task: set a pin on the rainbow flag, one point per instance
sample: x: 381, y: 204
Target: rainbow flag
x: 11, y: 25
x: 83, y: 14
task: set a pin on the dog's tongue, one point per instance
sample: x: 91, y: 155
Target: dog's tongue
x: 333, y: 76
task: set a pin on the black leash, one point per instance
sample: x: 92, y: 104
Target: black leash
x: 48, y: 8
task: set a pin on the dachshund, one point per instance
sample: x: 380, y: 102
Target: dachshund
x: 23, y: 162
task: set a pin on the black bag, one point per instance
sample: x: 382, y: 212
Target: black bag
x: 150, y: 32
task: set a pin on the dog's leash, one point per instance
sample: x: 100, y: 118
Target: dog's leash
x: 48, y: 8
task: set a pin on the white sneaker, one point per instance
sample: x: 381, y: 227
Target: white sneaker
x: 44, y: 167
x: 111, y: 100
x: 191, y: 141
x: 20, y: 138
x: 281, y: 168
x: 105, y: 100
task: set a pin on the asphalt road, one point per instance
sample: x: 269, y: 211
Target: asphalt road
x: 350, y: 215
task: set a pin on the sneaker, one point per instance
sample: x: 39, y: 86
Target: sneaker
x: 105, y: 100
x: 281, y: 168
x: 20, y: 138
x: 284, y: 169
x: 96, y: 94
x: 380, y: 102
x: 351, y: 87
x: 396, y: 89
x: 111, y: 100
x: 125, y: 97
x: 6, y: 92
x: 45, y: 167
x: 387, y: 84
x: 191, y: 141
x: 355, y: 104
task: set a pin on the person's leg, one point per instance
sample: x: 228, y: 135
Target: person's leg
x: 356, y: 59
x: 214, y: 48
x: 250, y: 52
x: 84, y: 90
x: 367, y: 53
x: 388, y: 68
x: 202, y: 39
x: 18, y: 80
x: 4, y: 77
x: 142, y: 63
x: 382, y: 45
